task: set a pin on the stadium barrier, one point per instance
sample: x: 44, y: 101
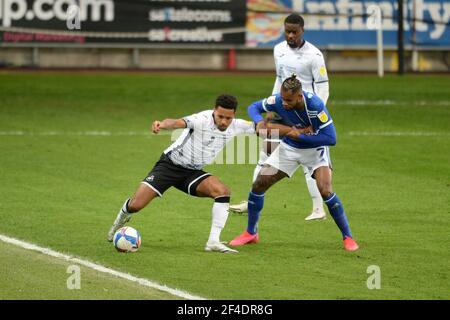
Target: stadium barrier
x: 199, y: 59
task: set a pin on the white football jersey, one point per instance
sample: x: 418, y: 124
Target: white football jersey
x: 306, y: 62
x: 201, y: 141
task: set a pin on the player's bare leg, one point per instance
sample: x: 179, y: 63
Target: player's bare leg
x: 266, y: 178
x: 141, y: 198
x: 242, y: 207
x: 267, y: 148
x: 323, y: 178
x: 212, y: 187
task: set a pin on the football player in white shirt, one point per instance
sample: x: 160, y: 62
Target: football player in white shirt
x: 180, y: 166
x: 296, y: 56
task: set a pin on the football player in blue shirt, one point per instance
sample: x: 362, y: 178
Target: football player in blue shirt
x: 307, y: 132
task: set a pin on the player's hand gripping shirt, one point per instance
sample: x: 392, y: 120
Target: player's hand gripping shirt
x: 315, y: 115
x: 201, y: 141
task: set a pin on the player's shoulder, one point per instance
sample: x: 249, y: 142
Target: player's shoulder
x: 312, y: 49
x: 200, y: 117
x: 272, y: 100
x: 242, y: 123
x: 316, y: 107
x: 205, y: 114
x: 313, y: 102
x: 280, y: 47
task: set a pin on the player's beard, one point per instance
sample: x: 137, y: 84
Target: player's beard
x: 295, y: 43
x: 292, y: 44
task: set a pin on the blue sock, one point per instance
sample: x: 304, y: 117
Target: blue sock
x: 255, y: 205
x: 337, y: 212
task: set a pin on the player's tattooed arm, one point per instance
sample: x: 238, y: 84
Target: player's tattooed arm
x: 270, y: 116
x: 278, y: 130
x: 168, y: 124
x: 261, y: 129
x: 261, y: 126
x: 266, y: 129
x: 294, y: 133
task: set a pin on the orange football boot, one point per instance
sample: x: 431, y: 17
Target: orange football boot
x: 245, y: 238
x: 350, y: 244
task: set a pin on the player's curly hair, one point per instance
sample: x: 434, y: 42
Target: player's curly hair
x: 292, y: 84
x: 294, y: 18
x: 227, y: 101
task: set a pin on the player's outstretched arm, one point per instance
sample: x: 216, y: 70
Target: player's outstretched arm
x: 168, y: 124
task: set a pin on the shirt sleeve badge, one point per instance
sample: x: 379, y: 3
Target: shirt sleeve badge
x: 323, y: 117
x: 271, y: 100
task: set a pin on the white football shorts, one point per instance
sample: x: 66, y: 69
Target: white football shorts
x: 288, y: 159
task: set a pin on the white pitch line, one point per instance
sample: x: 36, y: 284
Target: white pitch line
x: 132, y: 133
x: 79, y: 133
x: 100, y: 268
x: 18, y: 133
x: 399, y: 134
x: 441, y: 103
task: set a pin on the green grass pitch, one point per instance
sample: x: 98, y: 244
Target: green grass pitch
x: 62, y: 187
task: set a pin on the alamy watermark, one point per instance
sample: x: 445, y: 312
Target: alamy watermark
x: 374, y: 17
x: 73, y: 21
x: 241, y: 149
x: 74, y: 280
x: 374, y: 280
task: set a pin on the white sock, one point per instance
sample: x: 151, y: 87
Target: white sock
x: 122, y: 213
x: 219, y: 219
x: 262, y: 158
x: 314, y: 192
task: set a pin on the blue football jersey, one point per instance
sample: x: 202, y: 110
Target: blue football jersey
x: 315, y: 115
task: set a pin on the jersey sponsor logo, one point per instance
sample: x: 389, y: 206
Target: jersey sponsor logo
x: 323, y: 117
x: 309, y: 95
x: 271, y: 100
x: 323, y: 71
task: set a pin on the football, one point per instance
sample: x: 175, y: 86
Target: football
x: 127, y: 239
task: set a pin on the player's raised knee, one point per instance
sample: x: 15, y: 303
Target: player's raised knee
x: 220, y: 190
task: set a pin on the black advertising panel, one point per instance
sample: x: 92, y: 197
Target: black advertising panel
x: 120, y: 21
